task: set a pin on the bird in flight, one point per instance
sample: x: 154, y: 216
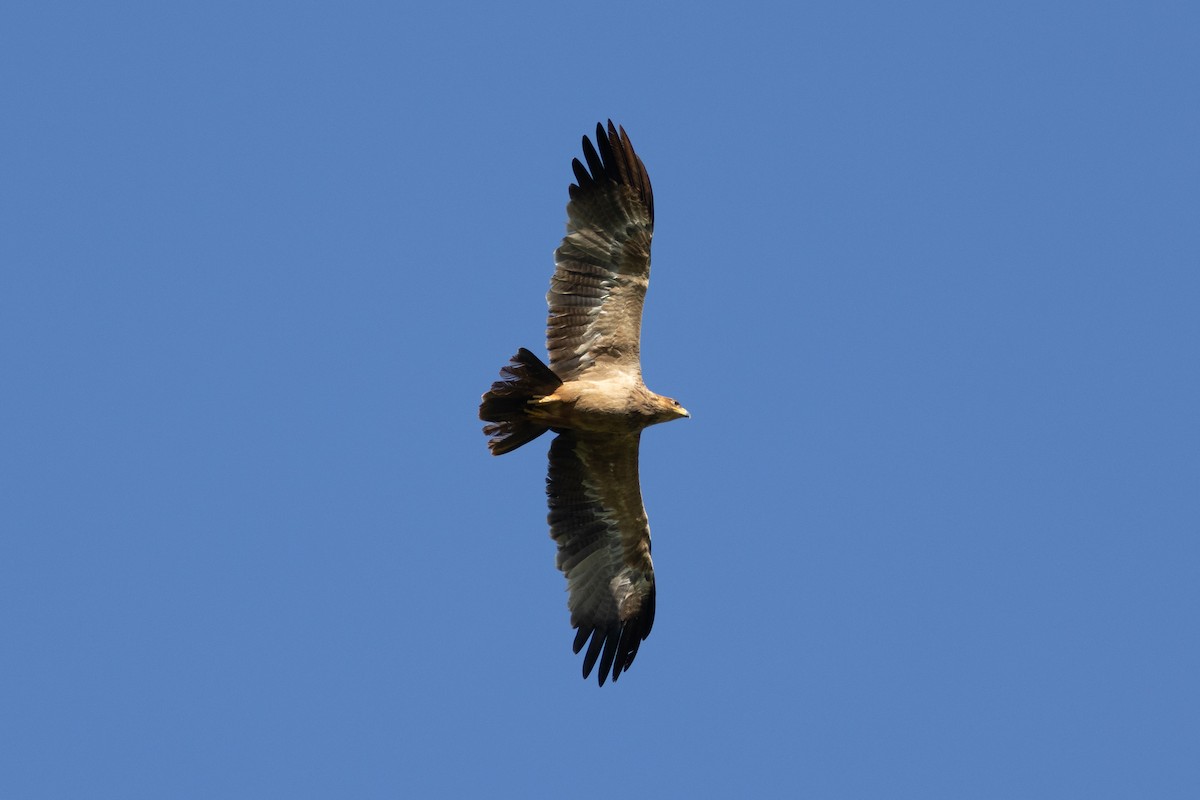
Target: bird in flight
x: 592, y: 396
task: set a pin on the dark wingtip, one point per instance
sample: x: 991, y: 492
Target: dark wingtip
x: 614, y: 647
x: 595, y: 163
x: 581, y: 175
x: 581, y: 637
x: 612, y: 159
x: 593, y: 652
x: 612, y: 638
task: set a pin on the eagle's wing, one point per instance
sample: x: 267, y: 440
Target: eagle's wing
x: 599, y: 524
x: 602, y: 266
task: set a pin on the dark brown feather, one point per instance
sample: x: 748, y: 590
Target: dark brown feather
x: 603, y: 262
x: 597, y: 520
x: 524, y: 379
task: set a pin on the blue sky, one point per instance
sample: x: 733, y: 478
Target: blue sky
x: 926, y: 275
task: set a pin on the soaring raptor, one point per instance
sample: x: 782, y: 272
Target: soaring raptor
x: 593, y: 397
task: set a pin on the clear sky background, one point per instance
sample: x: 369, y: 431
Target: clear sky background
x: 926, y: 275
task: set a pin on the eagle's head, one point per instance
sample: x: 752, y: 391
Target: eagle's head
x: 665, y: 409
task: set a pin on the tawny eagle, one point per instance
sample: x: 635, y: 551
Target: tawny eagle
x: 593, y: 397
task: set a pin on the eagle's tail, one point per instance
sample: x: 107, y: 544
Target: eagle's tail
x: 523, y: 380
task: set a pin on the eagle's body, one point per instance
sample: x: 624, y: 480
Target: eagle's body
x: 603, y: 407
x: 593, y: 397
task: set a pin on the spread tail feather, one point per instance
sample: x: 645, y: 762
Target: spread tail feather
x: 523, y: 380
